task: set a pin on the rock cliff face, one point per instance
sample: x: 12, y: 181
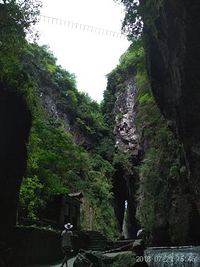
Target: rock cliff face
x: 15, y: 122
x: 174, y: 65
x: 152, y: 176
x: 56, y: 110
x: 128, y: 141
x: 53, y: 109
x: 127, y: 137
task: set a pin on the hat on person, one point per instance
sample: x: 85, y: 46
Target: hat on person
x: 68, y: 226
x: 139, y: 232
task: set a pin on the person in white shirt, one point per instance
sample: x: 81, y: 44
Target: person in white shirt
x: 66, y: 242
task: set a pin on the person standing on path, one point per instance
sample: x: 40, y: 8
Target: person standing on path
x: 66, y: 242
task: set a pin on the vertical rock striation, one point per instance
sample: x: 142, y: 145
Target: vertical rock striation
x: 127, y: 141
x: 173, y: 58
x: 174, y: 65
x: 127, y: 137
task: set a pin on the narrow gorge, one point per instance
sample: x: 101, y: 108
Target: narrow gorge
x: 135, y: 157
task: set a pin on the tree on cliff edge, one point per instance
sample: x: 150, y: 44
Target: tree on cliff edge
x: 16, y: 18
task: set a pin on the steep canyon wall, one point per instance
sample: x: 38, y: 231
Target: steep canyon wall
x: 151, y: 167
x: 173, y: 58
x: 128, y: 141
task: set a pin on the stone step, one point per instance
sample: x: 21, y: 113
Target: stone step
x: 95, y: 247
x: 94, y: 233
x: 97, y: 241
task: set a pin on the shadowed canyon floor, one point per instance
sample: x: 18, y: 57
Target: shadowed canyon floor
x: 71, y: 261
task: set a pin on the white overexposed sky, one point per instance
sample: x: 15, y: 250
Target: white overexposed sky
x: 89, y: 55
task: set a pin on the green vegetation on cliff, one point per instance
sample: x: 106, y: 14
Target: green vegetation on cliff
x: 162, y: 163
x: 135, y: 12
x: 55, y: 164
x: 16, y: 22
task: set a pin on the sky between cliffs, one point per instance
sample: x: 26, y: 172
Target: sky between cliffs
x: 89, y: 55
